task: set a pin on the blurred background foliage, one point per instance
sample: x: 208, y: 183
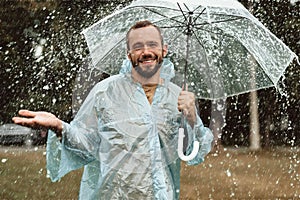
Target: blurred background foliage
x: 42, y: 49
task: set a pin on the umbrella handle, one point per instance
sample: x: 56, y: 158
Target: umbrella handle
x: 180, y: 147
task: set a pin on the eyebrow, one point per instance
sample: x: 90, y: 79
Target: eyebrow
x: 137, y: 44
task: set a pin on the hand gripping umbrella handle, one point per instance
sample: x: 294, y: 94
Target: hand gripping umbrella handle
x: 180, y: 147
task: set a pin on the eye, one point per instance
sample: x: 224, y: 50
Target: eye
x: 152, y: 44
x: 137, y: 47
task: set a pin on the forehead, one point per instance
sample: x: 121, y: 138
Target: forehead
x: 149, y: 33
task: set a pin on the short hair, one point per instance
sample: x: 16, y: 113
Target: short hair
x: 142, y: 24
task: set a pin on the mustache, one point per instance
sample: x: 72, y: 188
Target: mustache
x: 147, y: 57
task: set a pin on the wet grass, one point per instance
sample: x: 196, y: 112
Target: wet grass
x: 241, y: 174
x: 231, y: 174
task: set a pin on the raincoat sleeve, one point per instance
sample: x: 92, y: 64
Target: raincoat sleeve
x: 201, y: 134
x: 79, y: 142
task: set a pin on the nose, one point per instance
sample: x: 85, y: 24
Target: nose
x: 146, y: 50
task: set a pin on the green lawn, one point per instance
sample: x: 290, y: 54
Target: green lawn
x: 231, y: 174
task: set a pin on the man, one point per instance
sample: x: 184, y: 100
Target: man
x: 125, y: 134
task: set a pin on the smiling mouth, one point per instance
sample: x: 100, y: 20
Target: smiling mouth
x: 148, y: 60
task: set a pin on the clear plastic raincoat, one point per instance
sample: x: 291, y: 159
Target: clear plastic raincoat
x: 128, y: 147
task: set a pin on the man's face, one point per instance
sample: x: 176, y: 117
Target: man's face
x: 145, y: 50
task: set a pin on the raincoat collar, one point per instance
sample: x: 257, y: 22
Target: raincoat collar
x: 166, y: 73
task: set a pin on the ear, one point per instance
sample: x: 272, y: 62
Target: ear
x: 128, y: 55
x: 165, y: 50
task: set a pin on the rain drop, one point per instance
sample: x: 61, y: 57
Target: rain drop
x: 228, y: 173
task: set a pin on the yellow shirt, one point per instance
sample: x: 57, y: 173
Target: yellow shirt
x: 149, y: 91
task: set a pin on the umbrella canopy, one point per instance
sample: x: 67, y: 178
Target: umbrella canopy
x: 217, y: 44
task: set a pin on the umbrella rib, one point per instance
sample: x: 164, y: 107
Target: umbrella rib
x: 198, y: 26
x: 184, y: 6
x: 177, y: 36
x: 182, y: 11
x: 199, y: 14
x: 199, y: 7
x: 163, y: 15
x: 210, y: 82
x: 183, y: 14
x: 182, y: 26
x: 198, y: 39
x: 216, y: 22
x: 210, y: 31
x: 111, y: 49
x: 153, y: 7
x: 224, y: 34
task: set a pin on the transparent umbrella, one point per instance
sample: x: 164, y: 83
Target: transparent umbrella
x: 217, y: 44
x: 218, y: 47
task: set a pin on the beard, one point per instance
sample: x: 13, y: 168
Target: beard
x: 148, y: 72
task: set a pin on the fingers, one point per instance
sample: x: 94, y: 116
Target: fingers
x: 38, y: 120
x: 186, y: 108
x: 26, y: 118
x: 17, y: 120
x: 185, y: 88
x: 186, y: 102
x: 24, y: 121
x: 27, y: 113
x: 186, y: 97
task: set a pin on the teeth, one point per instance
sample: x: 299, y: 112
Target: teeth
x: 147, y: 61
